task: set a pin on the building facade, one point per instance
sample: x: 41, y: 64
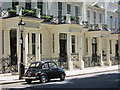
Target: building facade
x: 69, y: 33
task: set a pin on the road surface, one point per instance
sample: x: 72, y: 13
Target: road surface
x: 99, y: 80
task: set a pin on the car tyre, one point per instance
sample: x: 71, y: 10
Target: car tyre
x: 62, y: 77
x: 43, y: 79
x: 28, y: 81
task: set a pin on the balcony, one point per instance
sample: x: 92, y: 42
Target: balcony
x: 98, y: 27
x: 115, y: 31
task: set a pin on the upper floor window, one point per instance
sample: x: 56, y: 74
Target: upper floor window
x: 59, y: 6
x: 115, y: 22
x: 59, y: 9
x: 100, y: 18
x: 88, y: 14
x: 76, y: 11
x: 94, y: 17
x: 28, y: 4
x: 40, y: 5
x: 41, y: 43
x: 68, y: 9
x: 73, y: 43
x: 15, y: 3
x: 33, y: 43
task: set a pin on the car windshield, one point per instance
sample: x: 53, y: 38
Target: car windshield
x: 34, y: 65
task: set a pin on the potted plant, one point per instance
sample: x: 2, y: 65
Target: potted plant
x: 47, y: 18
x: 12, y: 12
x: 29, y: 12
x: 104, y: 26
x: 91, y: 28
x: 73, y: 18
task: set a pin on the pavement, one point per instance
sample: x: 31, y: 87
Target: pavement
x: 9, y: 78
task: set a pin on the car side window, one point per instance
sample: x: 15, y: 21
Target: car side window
x: 52, y: 65
x: 45, y: 66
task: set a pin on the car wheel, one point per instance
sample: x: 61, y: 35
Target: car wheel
x: 28, y: 81
x: 62, y: 77
x: 43, y: 79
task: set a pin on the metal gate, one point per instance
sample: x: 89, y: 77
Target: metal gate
x: 6, y: 67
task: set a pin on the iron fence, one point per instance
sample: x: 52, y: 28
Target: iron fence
x: 60, y: 63
x: 91, y: 61
x: 31, y: 58
x: 75, y: 57
x: 115, y: 60
x: 6, y: 66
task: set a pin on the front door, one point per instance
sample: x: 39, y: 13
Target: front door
x: 13, y: 47
x: 116, y: 48
x: 63, y: 47
x: 94, y: 50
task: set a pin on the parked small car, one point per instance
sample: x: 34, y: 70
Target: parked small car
x: 43, y: 71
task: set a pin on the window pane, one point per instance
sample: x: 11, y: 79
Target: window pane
x: 73, y: 38
x: 68, y: 9
x: 33, y: 43
x: 34, y: 64
x: 73, y: 48
x: 28, y: 4
x: 59, y: 6
x: 52, y: 65
x: 45, y: 66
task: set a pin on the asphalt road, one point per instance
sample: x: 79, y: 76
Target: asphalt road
x: 99, y: 80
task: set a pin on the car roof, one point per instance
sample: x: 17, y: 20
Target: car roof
x: 42, y: 61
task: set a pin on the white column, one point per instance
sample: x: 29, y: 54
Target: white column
x: 81, y: 52
x: 26, y: 48
x: 38, y: 13
x: 84, y: 13
x: 17, y: 9
x: 69, y: 50
x: 30, y: 43
x: 20, y: 12
x: 108, y: 52
x: 80, y: 20
x: 113, y: 47
x: 90, y: 47
x: 100, y: 51
x: 18, y: 48
x: 38, y: 58
x: 68, y: 19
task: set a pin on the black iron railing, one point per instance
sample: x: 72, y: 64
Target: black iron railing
x: 6, y: 66
x: 115, y: 60
x: 91, y: 61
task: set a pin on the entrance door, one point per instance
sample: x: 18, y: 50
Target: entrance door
x: 116, y: 49
x: 94, y: 50
x: 13, y: 47
x: 63, y: 47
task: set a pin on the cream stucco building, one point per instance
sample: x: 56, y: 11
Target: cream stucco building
x: 72, y: 44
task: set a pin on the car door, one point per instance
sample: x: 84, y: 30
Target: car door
x: 54, y: 71
x: 45, y: 69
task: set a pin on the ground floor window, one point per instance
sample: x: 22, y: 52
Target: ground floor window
x: 53, y: 43
x: 40, y: 43
x: 73, y: 43
x: 33, y: 43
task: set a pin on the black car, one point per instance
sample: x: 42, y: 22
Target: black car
x: 43, y: 71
